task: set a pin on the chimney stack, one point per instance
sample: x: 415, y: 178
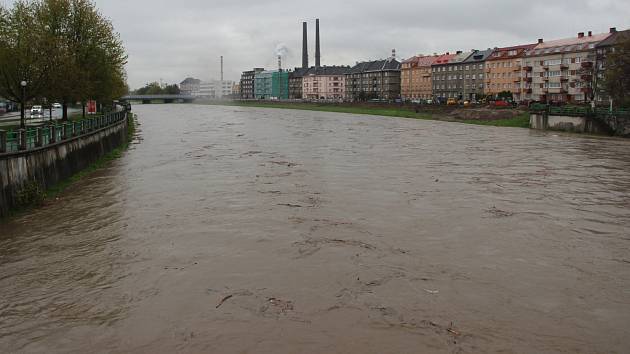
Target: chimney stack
x: 304, y: 46
x: 590, y: 33
x: 222, y: 68
x: 394, y: 53
x: 540, y: 41
x: 280, y: 63
x: 581, y: 35
x: 317, y: 48
x: 613, y: 29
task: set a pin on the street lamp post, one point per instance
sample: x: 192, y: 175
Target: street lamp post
x: 23, y: 112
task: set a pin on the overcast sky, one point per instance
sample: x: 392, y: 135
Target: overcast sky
x: 173, y: 39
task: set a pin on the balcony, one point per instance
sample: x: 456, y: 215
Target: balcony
x: 586, y: 77
x: 587, y: 64
x: 516, y: 68
x: 564, y: 78
x: 528, y: 79
x: 586, y: 90
x: 564, y: 67
x: 528, y: 90
x: 516, y: 79
x: 528, y: 68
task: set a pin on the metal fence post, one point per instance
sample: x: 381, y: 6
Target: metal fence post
x: 3, y: 141
x: 64, y: 131
x: 39, y: 141
x: 53, y: 134
x: 22, y: 135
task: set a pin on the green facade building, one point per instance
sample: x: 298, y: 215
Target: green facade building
x: 271, y: 85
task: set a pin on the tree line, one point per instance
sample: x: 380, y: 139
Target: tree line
x: 65, y: 50
x: 155, y: 88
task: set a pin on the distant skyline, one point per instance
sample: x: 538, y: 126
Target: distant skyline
x: 171, y: 40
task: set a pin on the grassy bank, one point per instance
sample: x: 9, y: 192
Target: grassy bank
x: 520, y: 121
x: 33, y: 196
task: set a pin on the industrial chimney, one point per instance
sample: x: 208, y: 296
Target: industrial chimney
x: 280, y: 63
x: 317, y: 49
x: 304, y: 46
x: 222, y: 68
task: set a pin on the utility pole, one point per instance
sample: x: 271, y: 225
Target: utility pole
x: 23, y: 110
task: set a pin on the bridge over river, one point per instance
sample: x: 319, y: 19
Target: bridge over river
x: 245, y: 230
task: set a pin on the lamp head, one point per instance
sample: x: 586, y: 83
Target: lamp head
x: 23, y: 83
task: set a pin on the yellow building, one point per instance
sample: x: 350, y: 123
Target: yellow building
x: 415, y: 77
x: 504, y: 72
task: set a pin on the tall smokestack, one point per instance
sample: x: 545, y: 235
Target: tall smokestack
x: 222, y: 68
x: 317, y: 49
x: 304, y: 46
x: 279, y: 62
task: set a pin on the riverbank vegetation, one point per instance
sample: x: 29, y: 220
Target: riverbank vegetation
x: 63, y: 50
x: 481, y: 116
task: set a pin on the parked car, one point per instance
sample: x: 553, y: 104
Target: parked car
x: 36, y: 111
x: 451, y: 102
x: 56, y: 105
x: 501, y: 103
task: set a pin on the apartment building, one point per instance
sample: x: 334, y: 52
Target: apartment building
x: 325, y: 83
x: 379, y: 79
x: 504, y: 72
x: 474, y: 74
x: 603, y: 49
x: 271, y: 85
x: 295, y: 83
x: 448, y: 76
x: 247, y: 83
x: 215, y: 89
x: 415, y: 77
x: 562, y: 70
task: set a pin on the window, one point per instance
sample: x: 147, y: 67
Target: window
x: 467, y: 67
x: 552, y: 62
x: 512, y: 52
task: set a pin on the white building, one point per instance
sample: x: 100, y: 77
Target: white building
x: 215, y: 88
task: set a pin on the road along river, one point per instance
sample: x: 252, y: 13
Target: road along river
x: 242, y: 230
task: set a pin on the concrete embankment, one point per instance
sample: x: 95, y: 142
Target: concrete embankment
x: 27, y: 174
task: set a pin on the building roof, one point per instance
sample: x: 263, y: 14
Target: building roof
x: 328, y: 70
x: 615, y: 38
x: 422, y: 60
x: 577, y: 43
x: 443, y: 59
x: 460, y: 57
x: 390, y: 64
x: 520, y: 50
x: 479, y: 56
x: 190, y: 81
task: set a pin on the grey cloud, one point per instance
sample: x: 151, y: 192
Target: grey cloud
x: 175, y: 39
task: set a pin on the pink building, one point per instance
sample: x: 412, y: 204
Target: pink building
x: 325, y: 83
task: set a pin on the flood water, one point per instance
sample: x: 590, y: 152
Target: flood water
x: 242, y: 230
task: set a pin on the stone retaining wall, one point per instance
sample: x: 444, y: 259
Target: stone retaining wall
x: 47, y: 166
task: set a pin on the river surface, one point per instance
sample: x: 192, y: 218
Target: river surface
x: 243, y: 230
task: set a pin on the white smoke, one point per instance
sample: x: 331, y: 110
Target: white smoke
x: 281, y: 50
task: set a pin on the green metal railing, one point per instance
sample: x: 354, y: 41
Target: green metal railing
x: 32, y: 138
x: 578, y: 111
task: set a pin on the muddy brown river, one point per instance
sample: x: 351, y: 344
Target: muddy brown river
x: 243, y: 230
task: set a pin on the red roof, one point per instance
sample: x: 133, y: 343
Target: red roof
x: 586, y: 39
x: 422, y: 60
x: 444, y: 59
x: 521, y: 49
